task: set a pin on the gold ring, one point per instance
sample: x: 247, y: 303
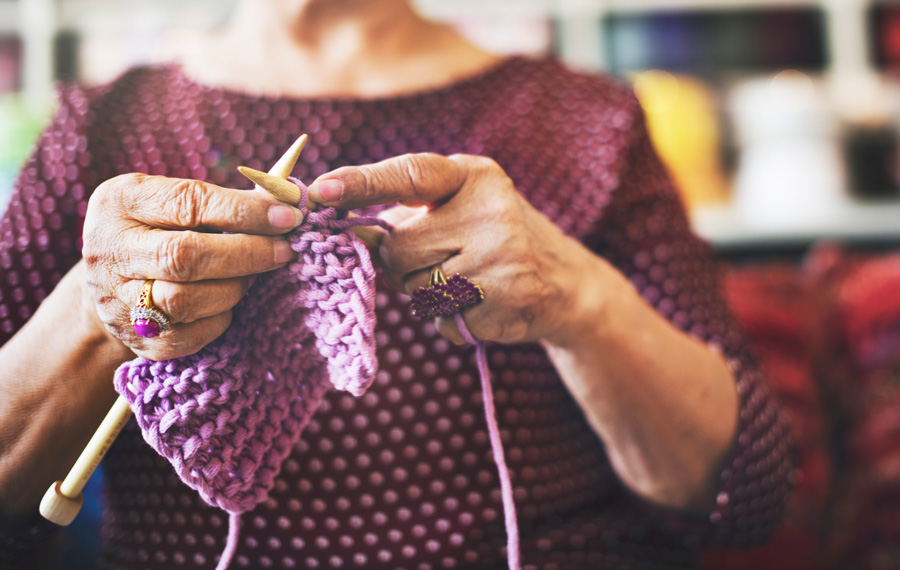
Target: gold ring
x: 444, y: 297
x: 146, y: 319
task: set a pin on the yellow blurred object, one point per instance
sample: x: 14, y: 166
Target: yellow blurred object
x: 681, y: 119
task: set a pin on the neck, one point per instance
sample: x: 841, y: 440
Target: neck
x: 349, y: 47
x: 316, y: 25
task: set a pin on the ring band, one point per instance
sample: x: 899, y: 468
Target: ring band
x: 444, y: 297
x: 147, y: 320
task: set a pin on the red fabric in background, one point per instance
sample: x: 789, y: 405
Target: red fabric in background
x: 827, y: 332
x: 865, y: 310
x: 777, y: 306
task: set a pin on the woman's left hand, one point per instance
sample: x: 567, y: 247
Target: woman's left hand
x: 663, y: 403
x: 464, y: 214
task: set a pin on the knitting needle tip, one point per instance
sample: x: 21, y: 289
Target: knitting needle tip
x: 275, y: 184
x: 285, y: 164
x: 278, y: 187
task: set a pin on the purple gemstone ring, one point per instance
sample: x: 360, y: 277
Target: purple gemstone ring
x: 147, y: 320
x: 444, y: 297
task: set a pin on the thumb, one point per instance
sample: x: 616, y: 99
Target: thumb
x: 410, y: 179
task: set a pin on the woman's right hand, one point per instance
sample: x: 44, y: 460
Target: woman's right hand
x: 201, y: 243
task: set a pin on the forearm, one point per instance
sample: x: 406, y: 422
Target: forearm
x: 664, y: 403
x: 55, y: 387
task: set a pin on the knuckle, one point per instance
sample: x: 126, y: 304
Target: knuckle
x: 97, y: 253
x: 178, y: 256
x: 108, y: 311
x: 107, y: 217
x: 416, y: 172
x: 112, y: 313
x: 105, y: 201
x: 177, y: 304
x: 186, y: 200
x: 484, y: 163
x: 128, y: 180
x: 481, y: 171
x: 411, y: 166
x: 251, y: 254
x: 101, y: 196
x: 92, y: 250
x: 478, y: 164
x: 116, y: 194
x: 122, y: 330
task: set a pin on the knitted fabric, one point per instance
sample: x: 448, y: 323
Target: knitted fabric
x: 227, y: 416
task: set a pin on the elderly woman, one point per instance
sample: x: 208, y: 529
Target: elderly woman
x: 636, y: 427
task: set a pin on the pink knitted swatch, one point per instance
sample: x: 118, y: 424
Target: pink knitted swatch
x: 227, y: 416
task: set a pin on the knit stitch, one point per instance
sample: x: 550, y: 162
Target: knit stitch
x: 227, y: 416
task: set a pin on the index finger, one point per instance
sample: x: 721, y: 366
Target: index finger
x: 180, y: 204
x: 409, y: 179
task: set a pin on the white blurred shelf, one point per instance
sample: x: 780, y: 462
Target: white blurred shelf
x: 9, y: 17
x: 727, y: 227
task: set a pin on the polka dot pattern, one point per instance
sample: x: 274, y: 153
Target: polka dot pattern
x: 403, y: 477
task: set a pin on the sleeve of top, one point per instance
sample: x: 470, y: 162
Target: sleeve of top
x: 648, y: 237
x: 40, y: 240
x: 40, y: 232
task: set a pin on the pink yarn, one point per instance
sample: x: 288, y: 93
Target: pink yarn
x: 506, y: 491
x: 227, y: 416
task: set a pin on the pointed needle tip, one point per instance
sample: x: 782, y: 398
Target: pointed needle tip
x: 278, y: 187
x: 285, y: 164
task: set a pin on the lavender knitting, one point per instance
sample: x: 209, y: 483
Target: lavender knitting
x: 228, y: 416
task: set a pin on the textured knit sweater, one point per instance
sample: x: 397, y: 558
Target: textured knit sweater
x: 403, y: 477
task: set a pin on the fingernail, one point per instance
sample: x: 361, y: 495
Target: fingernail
x: 326, y: 191
x: 283, y: 251
x: 285, y: 217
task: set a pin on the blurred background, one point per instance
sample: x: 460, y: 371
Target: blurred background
x: 780, y: 122
x: 778, y: 119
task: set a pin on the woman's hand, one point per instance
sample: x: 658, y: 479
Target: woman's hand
x: 664, y: 404
x: 474, y: 223
x: 200, y: 242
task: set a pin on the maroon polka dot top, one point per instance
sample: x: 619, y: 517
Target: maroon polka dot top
x: 403, y: 477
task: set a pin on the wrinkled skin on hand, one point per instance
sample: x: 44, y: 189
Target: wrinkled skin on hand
x: 203, y: 244
x: 464, y: 213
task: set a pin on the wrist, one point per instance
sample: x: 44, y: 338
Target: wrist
x: 595, y: 294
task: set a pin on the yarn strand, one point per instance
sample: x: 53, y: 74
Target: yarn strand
x: 234, y: 529
x: 228, y: 416
x: 490, y: 415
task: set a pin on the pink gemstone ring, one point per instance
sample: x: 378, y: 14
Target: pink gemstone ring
x: 444, y: 297
x: 147, y: 320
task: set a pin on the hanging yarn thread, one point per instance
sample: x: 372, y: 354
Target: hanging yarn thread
x: 228, y: 416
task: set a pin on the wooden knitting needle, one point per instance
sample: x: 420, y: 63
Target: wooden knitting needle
x: 289, y: 192
x: 64, y: 499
